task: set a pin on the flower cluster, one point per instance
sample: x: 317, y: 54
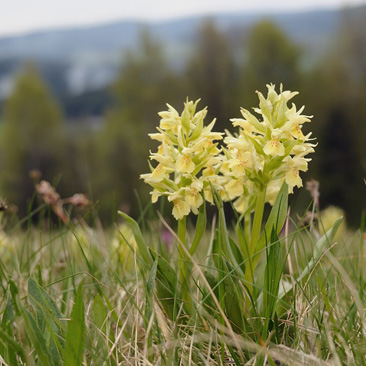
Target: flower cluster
x: 185, y: 159
x: 267, y: 151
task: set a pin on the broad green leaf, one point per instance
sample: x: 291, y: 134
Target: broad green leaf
x: 234, y: 300
x: 166, y: 285
x: 99, y: 313
x: 151, y: 280
x: 207, y: 299
x: 48, y: 317
x: 237, y: 254
x: 224, y: 241
x: 138, y: 237
x: 75, y: 339
x: 200, y: 228
x: 41, y: 300
x: 273, y: 272
x: 164, y: 269
x: 36, y: 337
x: 276, y: 219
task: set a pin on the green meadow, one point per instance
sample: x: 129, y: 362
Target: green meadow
x: 217, y: 270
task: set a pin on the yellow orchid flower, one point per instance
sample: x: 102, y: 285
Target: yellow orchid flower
x: 184, y: 164
x: 159, y: 173
x: 274, y: 147
x: 193, y: 196
x: 181, y: 208
x: 293, y: 178
x: 269, y: 150
x: 234, y: 188
x: 187, y: 154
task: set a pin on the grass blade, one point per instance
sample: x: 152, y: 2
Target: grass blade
x: 8, y: 347
x: 318, y: 250
x: 100, y: 313
x: 138, y: 237
x: 36, y: 337
x: 75, y: 340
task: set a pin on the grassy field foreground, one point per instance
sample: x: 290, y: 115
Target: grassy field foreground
x: 75, y: 296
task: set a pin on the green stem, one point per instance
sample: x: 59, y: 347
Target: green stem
x: 182, y: 224
x: 256, y: 230
x: 257, y: 221
x: 247, y: 227
x: 183, y: 261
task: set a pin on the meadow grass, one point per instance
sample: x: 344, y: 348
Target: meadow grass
x: 80, y: 295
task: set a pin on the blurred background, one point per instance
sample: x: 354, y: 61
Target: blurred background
x: 78, y: 95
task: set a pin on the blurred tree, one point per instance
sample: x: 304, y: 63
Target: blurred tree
x: 270, y: 58
x: 339, y: 166
x: 351, y: 52
x: 31, y: 137
x: 211, y: 74
x: 336, y: 91
x: 144, y: 86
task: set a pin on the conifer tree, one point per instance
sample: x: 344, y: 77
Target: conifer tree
x: 271, y: 57
x: 31, y: 137
x: 143, y: 87
x: 210, y: 73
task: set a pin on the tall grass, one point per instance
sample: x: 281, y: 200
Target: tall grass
x: 68, y: 297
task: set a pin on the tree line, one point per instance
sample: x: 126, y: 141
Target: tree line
x: 106, y: 161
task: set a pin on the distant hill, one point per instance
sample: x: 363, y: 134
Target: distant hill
x: 109, y: 40
x: 80, y: 59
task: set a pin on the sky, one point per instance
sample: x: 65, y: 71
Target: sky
x: 23, y: 16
